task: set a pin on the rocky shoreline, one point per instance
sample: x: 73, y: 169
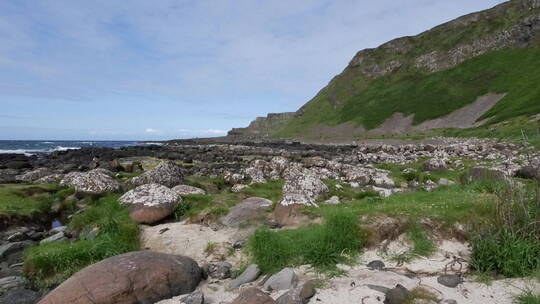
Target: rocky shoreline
x: 183, y: 252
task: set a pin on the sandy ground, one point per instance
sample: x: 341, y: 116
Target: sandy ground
x: 356, y: 286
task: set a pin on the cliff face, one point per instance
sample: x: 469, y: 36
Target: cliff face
x: 263, y: 126
x: 424, y: 76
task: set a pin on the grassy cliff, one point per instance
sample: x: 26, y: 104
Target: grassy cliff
x: 435, y: 73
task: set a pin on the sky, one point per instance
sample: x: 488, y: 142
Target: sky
x: 164, y: 69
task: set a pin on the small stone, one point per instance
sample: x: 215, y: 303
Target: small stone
x: 220, y: 271
x: 284, y: 279
x: 376, y: 265
x: 334, y: 200
x: 449, y: 301
x: 450, y: 280
x: 197, y: 297
x: 58, y: 237
x: 396, y: 295
x: 249, y: 275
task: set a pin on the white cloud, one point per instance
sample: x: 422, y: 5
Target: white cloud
x: 151, y: 131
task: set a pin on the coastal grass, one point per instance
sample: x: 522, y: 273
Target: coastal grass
x: 271, y: 190
x: 49, y: 264
x: 323, y: 246
x: 369, y: 102
x: 528, y: 297
x: 345, y: 192
x: 26, y: 200
x: 446, y: 205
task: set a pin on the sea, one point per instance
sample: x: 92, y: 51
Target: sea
x: 30, y: 147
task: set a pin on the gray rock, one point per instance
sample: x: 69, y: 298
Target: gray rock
x: 449, y: 301
x: 249, y: 275
x: 183, y: 190
x: 434, y: 164
x: 50, y: 179
x: 197, y: 297
x: 298, y: 295
x: 220, y: 270
x: 249, y: 210
x: 10, y: 251
x: 238, y: 188
x: 168, y: 174
x: 58, y: 237
x: 396, y: 295
x: 450, y: 280
x: 284, y: 279
x: 33, y: 175
x: 20, y: 296
x: 10, y: 283
x: 379, y: 288
x: 334, y: 200
x: 376, y: 265
x: 92, y: 182
x: 7, y: 176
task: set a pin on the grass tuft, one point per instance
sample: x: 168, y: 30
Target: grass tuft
x: 321, y: 245
x: 49, y: 264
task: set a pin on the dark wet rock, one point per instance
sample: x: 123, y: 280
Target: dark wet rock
x: 11, y: 283
x: 396, y: 295
x: 135, y: 277
x: 20, y: 296
x: 528, y: 172
x: 150, y: 203
x: 376, y: 265
x: 7, y: 176
x: 450, y: 280
x: 13, y: 252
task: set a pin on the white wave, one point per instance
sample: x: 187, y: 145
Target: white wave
x: 21, y: 151
x: 154, y: 143
x: 60, y: 148
x: 47, y: 142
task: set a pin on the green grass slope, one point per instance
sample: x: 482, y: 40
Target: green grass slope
x: 365, y: 98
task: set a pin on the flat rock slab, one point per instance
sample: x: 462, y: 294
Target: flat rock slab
x: 248, y: 211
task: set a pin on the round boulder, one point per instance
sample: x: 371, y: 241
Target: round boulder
x: 166, y: 173
x: 92, y: 182
x: 134, y: 277
x: 150, y: 203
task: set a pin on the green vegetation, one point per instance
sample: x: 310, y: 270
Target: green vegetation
x: 345, y: 192
x: 27, y: 200
x: 528, y: 298
x: 50, y: 264
x: 321, y: 245
x: 511, y: 245
x: 428, y: 96
x: 271, y: 190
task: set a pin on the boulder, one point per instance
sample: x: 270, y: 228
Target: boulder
x: 11, y: 283
x: 150, y: 203
x: 8, y: 176
x: 33, y: 175
x: 92, y: 182
x: 253, y: 296
x: 528, y: 172
x: 300, y: 190
x: 238, y: 188
x: 298, y: 295
x: 249, y: 210
x: 219, y: 270
x: 477, y: 174
x: 285, y: 279
x: 396, y: 295
x: 168, y: 174
x: 50, y: 179
x: 134, y: 277
x: 57, y: 237
x: 376, y: 265
x: 183, y: 190
x: 249, y: 275
x: 434, y: 164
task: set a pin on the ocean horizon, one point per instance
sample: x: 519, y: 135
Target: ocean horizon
x: 29, y: 147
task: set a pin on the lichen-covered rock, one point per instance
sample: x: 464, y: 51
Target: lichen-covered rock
x: 50, y: 179
x: 91, y: 182
x: 434, y: 164
x: 150, y: 203
x: 168, y: 174
x: 135, y: 277
x: 233, y: 178
x: 33, y: 175
x: 187, y: 190
x: 257, y: 171
x: 238, y: 188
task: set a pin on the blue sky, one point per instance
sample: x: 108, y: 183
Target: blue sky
x: 139, y: 69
